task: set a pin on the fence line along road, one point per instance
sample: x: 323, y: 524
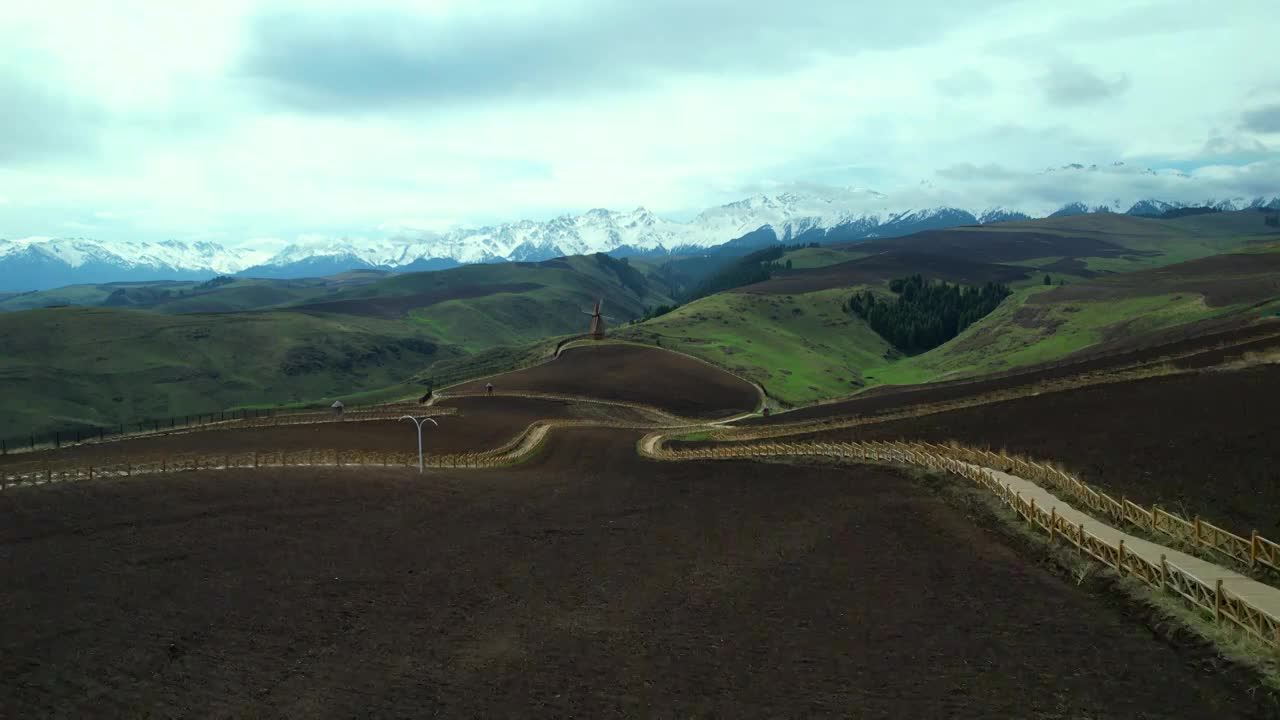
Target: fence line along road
x: 160, y: 428
x: 1224, y: 594
x: 518, y: 448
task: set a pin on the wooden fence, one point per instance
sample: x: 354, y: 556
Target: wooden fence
x: 967, y: 462
x: 382, y: 412
x: 1197, y: 533
x: 1210, y: 597
x: 512, y: 451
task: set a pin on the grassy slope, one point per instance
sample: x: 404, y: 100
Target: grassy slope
x: 1017, y: 334
x: 759, y: 336
x: 190, y: 296
x: 819, y: 257
x: 569, y: 288
x: 98, y: 366
x: 1175, y: 240
x: 69, y: 366
x: 801, y: 347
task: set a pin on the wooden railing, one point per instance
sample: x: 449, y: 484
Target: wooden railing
x: 512, y: 451
x: 1208, y: 596
x: 967, y: 462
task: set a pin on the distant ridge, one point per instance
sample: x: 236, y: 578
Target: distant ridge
x: 825, y: 216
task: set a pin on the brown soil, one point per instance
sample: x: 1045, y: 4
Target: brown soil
x: 883, y: 267
x: 588, y: 584
x: 1198, y: 443
x: 650, y: 376
x: 482, y: 423
x: 1222, y: 279
x: 997, y: 246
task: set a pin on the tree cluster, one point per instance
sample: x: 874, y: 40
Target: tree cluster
x: 750, y: 269
x: 926, y: 315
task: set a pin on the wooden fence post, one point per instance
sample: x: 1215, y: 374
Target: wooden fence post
x: 1031, y: 516
x: 1197, y: 530
x: 1120, y: 558
x: 1217, y: 601
x: 1253, y: 549
x: 1053, y: 522
x: 1164, y: 573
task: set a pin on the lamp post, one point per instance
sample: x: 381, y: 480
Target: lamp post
x: 418, y: 422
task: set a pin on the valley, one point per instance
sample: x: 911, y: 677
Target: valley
x: 697, y: 508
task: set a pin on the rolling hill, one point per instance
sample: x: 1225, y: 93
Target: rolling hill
x: 161, y: 349
x: 267, y: 343
x: 791, y: 334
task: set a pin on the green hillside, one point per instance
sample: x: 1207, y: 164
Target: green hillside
x: 364, y: 337
x: 70, y: 367
x: 801, y: 347
x: 804, y: 347
x: 163, y: 349
x: 566, y: 288
x: 223, y: 294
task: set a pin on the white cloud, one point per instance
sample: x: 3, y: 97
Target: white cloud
x: 188, y: 126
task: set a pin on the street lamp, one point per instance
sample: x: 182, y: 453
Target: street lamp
x: 418, y: 422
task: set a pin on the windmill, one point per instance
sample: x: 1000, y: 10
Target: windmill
x: 597, y: 321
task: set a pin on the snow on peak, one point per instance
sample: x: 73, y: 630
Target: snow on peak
x: 791, y: 213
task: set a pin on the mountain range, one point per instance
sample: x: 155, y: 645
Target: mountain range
x: 837, y: 215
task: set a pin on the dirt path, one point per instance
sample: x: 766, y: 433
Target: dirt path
x: 1261, y: 596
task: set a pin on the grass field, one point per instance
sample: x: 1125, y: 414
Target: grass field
x: 70, y: 367
x: 806, y: 258
x: 362, y: 337
x: 804, y: 348
x: 800, y: 347
x: 201, y: 347
x: 1018, y: 334
x: 226, y: 295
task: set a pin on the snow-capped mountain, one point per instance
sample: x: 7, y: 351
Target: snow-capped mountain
x: 40, y: 262
x: 815, y: 214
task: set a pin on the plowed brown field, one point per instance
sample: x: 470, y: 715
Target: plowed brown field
x: 588, y: 583
x: 651, y: 376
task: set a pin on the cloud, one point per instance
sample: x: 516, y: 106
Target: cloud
x: 373, y: 58
x: 42, y: 121
x: 1118, y: 184
x: 271, y: 120
x: 969, y: 171
x: 967, y: 82
x: 1265, y: 119
x: 1072, y: 85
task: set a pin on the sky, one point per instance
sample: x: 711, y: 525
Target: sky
x: 262, y: 122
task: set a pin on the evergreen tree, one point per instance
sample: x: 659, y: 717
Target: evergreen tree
x: 926, y: 315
